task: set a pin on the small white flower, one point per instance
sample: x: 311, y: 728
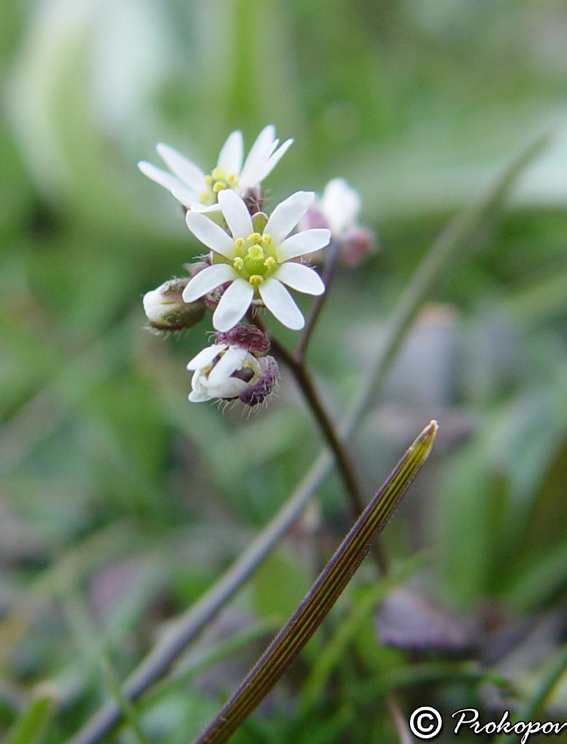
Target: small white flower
x: 199, y: 191
x: 340, y: 206
x: 338, y: 210
x: 229, y: 371
x: 257, y: 265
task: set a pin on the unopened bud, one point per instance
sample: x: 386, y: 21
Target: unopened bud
x: 234, y: 368
x: 165, y: 309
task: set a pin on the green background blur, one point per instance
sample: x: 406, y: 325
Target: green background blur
x: 121, y: 502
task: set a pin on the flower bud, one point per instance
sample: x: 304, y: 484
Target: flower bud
x: 234, y: 368
x: 165, y: 309
x: 338, y: 210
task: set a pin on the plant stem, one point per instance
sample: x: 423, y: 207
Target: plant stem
x: 338, y: 448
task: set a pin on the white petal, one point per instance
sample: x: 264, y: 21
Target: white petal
x: 303, y: 242
x: 200, y: 395
x: 184, y: 169
x: 230, y: 156
x: 205, y: 356
x: 280, y: 303
x: 340, y: 204
x: 230, y: 388
x: 207, y: 280
x: 227, y: 364
x: 236, y: 214
x: 273, y: 160
x: 300, y: 277
x: 210, y: 234
x: 199, y: 392
x: 258, y: 156
x: 287, y: 214
x: 205, y: 208
x: 233, y: 304
x: 169, y: 182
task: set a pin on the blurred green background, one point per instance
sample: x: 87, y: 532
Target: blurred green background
x: 121, y: 502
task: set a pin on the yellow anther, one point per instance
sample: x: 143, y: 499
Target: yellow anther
x: 219, y: 187
x: 256, y: 280
x: 204, y: 197
x: 232, y: 179
x: 254, y: 237
x: 238, y: 243
x: 267, y: 239
x: 218, y: 174
x: 238, y: 263
x: 209, y: 180
x: 270, y: 262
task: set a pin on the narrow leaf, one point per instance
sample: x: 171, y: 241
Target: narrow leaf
x: 322, y: 595
x: 31, y: 727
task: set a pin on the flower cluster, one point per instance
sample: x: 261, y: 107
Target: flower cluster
x: 254, y: 259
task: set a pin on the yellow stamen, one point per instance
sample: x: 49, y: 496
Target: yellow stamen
x: 267, y: 239
x: 219, y: 187
x: 209, y: 180
x: 239, y: 242
x: 270, y: 262
x: 238, y: 263
x: 218, y: 174
x: 254, y: 237
x: 255, y: 280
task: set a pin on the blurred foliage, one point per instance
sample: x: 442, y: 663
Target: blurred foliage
x: 120, y: 502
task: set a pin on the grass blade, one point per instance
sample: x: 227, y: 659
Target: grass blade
x: 33, y: 724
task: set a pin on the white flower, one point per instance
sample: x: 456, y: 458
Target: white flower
x: 231, y: 371
x: 198, y: 191
x: 340, y: 206
x: 257, y: 265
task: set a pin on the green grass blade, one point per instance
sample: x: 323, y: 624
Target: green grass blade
x: 127, y: 708
x: 32, y: 726
x: 322, y: 595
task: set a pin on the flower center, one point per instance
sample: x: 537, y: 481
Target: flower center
x: 254, y: 258
x: 218, y: 180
